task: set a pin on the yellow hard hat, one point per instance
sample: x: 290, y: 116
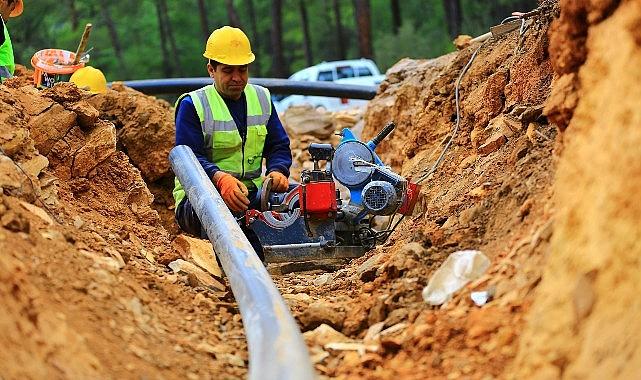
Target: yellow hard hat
x: 229, y: 46
x: 91, y: 79
x: 17, y: 10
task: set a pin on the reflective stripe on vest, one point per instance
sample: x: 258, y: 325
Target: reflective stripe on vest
x: 7, y: 63
x: 223, y: 143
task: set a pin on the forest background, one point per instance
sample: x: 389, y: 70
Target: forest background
x: 139, y: 39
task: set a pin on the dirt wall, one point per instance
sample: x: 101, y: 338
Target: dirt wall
x: 584, y: 323
x: 83, y: 282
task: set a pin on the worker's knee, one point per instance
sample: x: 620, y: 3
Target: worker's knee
x: 188, y: 220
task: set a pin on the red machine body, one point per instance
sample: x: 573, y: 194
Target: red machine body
x: 318, y: 199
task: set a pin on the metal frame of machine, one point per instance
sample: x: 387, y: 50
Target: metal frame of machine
x: 311, y: 222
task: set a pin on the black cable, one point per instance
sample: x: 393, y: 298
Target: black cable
x: 457, y: 96
x: 458, y: 115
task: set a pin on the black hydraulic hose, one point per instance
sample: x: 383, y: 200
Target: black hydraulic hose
x: 276, y: 347
x: 275, y: 86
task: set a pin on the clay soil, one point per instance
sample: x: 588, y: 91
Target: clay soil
x: 541, y: 177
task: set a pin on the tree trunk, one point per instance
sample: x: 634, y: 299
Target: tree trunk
x: 363, y: 23
x: 167, y: 64
x: 340, y: 38
x: 234, y: 20
x: 279, y: 70
x: 256, y: 38
x: 453, y: 17
x: 73, y: 14
x: 396, y: 15
x: 204, y: 23
x: 170, y: 37
x: 307, y: 42
x: 113, y: 34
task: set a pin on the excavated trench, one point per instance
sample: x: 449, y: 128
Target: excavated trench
x: 541, y: 177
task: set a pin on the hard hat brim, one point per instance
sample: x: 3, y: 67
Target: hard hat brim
x: 233, y: 62
x: 17, y: 10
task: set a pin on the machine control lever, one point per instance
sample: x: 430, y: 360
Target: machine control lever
x: 383, y: 134
x: 320, y: 152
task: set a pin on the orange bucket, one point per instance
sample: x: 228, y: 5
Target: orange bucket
x: 51, y: 64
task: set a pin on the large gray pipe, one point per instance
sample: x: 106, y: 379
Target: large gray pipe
x: 276, y: 86
x: 276, y: 346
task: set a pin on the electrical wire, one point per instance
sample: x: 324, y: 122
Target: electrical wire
x: 458, y: 115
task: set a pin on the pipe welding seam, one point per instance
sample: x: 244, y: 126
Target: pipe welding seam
x: 276, y: 346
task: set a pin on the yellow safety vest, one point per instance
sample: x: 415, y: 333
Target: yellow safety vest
x: 7, y: 65
x: 223, y: 143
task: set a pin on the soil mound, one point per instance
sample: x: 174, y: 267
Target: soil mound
x: 145, y: 128
x: 83, y: 290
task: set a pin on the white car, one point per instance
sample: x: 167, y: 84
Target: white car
x: 356, y: 71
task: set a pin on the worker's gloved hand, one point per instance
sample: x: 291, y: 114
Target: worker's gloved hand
x: 233, y: 191
x: 280, y: 183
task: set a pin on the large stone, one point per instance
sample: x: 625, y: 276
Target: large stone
x: 492, y: 144
x: 37, y: 211
x: 196, y: 276
x: 87, y: 114
x: 50, y: 126
x: 14, y: 141
x: 200, y: 252
x: 34, y: 104
x: 101, y: 143
x: 366, y: 272
x: 10, y: 177
x: 320, y: 313
x: 35, y: 165
x: 145, y: 128
x: 323, y: 335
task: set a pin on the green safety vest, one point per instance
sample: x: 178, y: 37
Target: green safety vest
x: 7, y: 64
x: 223, y: 143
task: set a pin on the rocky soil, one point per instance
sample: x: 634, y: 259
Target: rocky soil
x: 541, y: 177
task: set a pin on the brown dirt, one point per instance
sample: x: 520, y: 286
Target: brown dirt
x: 583, y: 323
x: 83, y: 293
x: 541, y: 178
x: 498, y: 202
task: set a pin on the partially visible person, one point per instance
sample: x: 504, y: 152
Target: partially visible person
x: 8, y: 9
x: 90, y: 79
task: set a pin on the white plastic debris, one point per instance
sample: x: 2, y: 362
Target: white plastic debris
x: 460, y: 268
x: 482, y: 297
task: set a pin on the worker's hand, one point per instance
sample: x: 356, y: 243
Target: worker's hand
x: 233, y: 191
x: 280, y: 183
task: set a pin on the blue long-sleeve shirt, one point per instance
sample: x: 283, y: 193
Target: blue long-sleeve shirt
x: 189, y: 132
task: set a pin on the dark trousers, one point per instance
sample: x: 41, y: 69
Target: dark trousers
x: 188, y: 221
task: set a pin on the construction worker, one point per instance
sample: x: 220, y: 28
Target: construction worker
x: 90, y: 79
x: 231, y: 126
x: 8, y: 9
